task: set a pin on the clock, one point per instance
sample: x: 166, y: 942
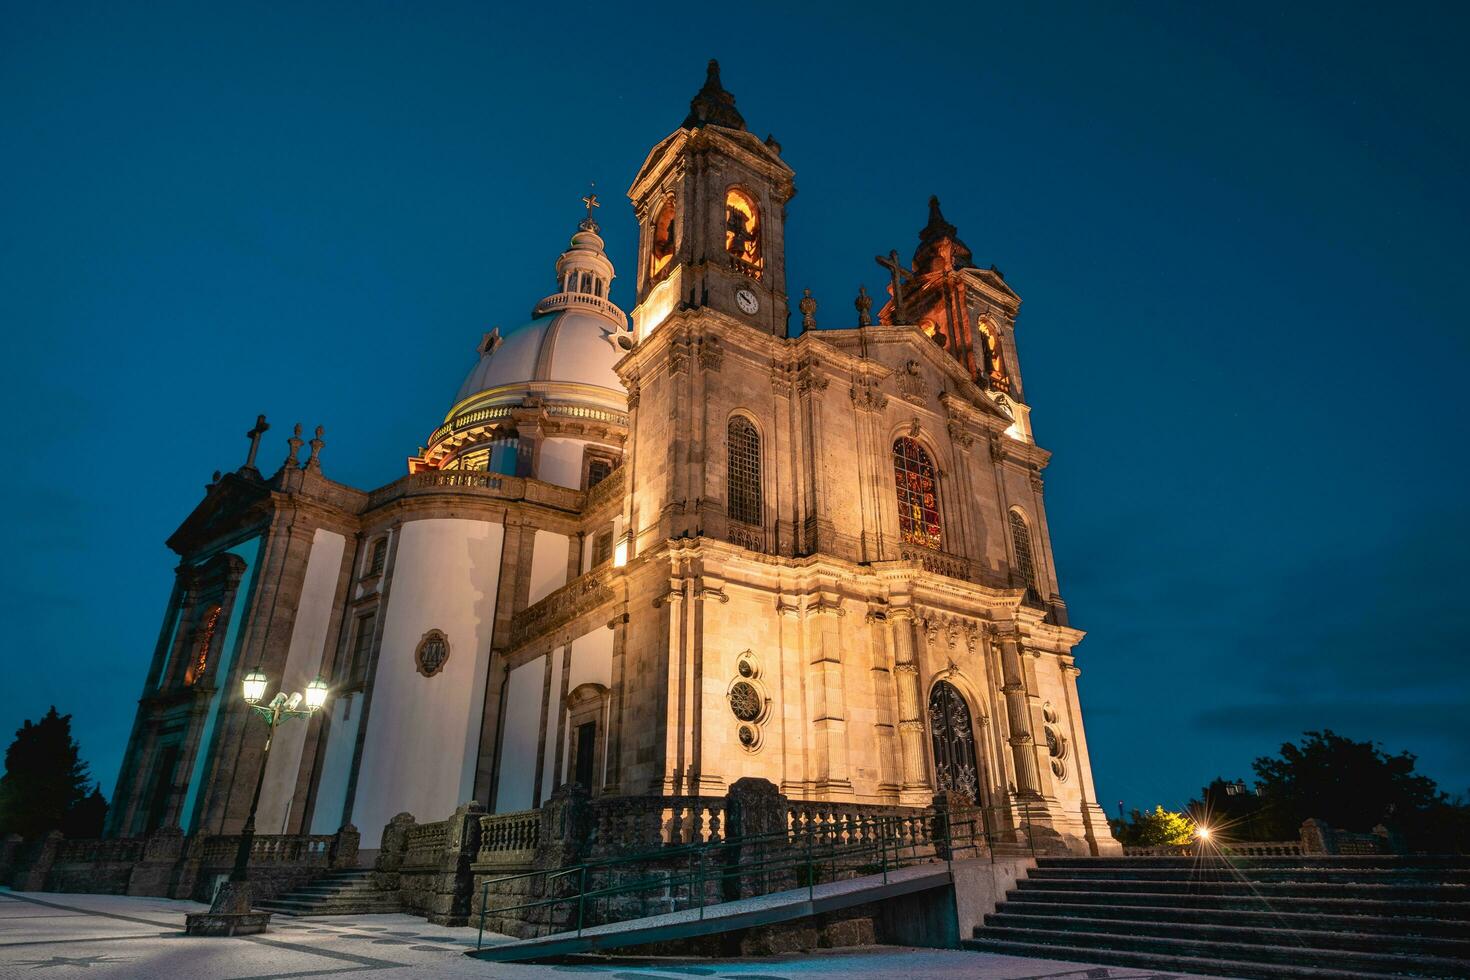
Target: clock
x: 745, y: 299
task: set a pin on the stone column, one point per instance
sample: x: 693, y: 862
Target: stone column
x: 829, y: 713
x: 1019, y: 715
x: 915, y: 788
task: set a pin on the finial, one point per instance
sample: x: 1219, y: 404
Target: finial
x: 295, y: 443
x: 808, y: 307
x: 937, y: 226
x: 587, y: 223
x: 314, y: 464
x: 863, y: 303
x: 261, y: 425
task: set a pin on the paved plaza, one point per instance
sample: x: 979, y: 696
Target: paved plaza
x: 49, y: 935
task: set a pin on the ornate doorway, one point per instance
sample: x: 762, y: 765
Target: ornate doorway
x: 953, y: 736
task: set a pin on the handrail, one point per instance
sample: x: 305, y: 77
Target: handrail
x: 801, y: 850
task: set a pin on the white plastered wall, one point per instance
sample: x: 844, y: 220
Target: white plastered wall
x: 303, y: 664
x: 517, y: 781
x: 423, y: 733
x: 591, y: 664
x: 548, y: 564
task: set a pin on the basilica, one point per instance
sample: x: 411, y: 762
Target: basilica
x: 650, y: 553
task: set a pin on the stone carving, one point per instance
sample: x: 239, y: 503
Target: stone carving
x: 1036, y: 481
x: 867, y: 396
x: 808, y: 307
x: 997, y: 449
x: 864, y: 305
x: 295, y: 443
x: 959, y: 436
x: 578, y: 596
x: 711, y: 354
x: 314, y: 463
x: 911, y: 383
x: 432, y: 652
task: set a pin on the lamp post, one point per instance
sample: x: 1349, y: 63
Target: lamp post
x: 279, y: 709
x: 230, y: 914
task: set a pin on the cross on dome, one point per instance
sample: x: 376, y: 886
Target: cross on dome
x: 587, y: 223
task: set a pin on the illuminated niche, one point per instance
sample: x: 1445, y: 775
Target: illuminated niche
x: 661, y: 240
x: 743, y: 233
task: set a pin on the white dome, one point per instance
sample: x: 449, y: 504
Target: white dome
x: 568, y: 347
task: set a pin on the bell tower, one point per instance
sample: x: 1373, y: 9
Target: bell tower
x: 711, y: 206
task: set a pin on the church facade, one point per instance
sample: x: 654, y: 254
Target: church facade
x: 651, y: 554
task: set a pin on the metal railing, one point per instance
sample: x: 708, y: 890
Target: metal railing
x: 779, y: 861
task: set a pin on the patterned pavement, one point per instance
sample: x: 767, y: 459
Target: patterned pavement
x: 112, y: 937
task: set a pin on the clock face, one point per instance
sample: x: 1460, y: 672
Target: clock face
x: 746, y: 300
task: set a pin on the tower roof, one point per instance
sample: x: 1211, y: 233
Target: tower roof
x: 712, y: 105
x: 940, y: 247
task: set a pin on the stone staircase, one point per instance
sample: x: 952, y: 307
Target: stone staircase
x: 1298, y: 917
x: 346, y: 892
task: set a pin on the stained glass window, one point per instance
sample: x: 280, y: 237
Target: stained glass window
x: 918, y: 493
x: 201, y: 649
x: 1021, y: 539
x: 744, y: 478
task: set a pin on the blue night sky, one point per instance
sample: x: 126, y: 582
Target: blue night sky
x: 1240, y: 235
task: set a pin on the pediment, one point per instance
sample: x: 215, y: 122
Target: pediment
x: 233, y: 503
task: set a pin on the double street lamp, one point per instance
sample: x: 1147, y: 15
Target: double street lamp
x: 280, y: 708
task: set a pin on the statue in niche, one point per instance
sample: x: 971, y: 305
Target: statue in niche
x: 661, y: 245
x: 742, y: 233
x: 992, y: 359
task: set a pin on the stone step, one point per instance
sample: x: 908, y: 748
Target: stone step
x: 1366, y: 876
x: 1386, y: 925
x: 1275, y: 935
x: 1235, y: 952
x: 1339, y: 889
x: 1343, y: 862
x: 1243, y: 902
x: 1164, y: 962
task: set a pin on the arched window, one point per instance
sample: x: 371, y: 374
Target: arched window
x: 202, y: 644
x: 379, y: 557
x: 953, y: 737
x: 743, y: 481
x: 661, y: 241
x: 1021, y: 541
x: 743, y: 233
x: 918, y: 493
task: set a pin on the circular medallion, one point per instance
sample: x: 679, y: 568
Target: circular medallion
x: 746, y: 300
x: 747, y: 736
x: 745, y: 701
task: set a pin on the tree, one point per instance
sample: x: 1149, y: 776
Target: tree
x: 45, y: 782
x: 1157, y: 828
x: 1233, y: 811
x: 1354, y: 786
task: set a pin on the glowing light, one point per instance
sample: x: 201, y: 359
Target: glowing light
x: 1203, y: 833
x: 316, y: 694
x: 254, y: 685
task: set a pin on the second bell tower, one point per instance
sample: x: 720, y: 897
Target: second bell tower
x: 711, y: 206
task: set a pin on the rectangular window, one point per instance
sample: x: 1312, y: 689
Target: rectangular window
x: 602, y: 548
x: 362, y: 648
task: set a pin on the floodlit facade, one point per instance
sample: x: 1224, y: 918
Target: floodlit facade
x: 652, y: 554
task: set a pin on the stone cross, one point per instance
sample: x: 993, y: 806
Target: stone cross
x: 589, y: 223
x: 254, y: 436
x: 900, y: 275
